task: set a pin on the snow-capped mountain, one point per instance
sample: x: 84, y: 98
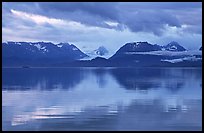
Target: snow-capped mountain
x: 139, y: 47
x: 135, y: 54
x: 145, y: 54
x: 174, y: 46
x: 172, y: 49
x: 39, y: 52
x: 99, y: 52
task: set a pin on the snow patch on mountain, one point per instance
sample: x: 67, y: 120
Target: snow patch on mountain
x: 59, y: 45
x: 75, y: 48
x: 18, y: 43
x: 62, y: 44
x: 174, y: 46
x: 38, y: 46
x: 43, y: 49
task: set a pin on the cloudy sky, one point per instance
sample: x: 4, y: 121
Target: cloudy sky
x: 89, y: 25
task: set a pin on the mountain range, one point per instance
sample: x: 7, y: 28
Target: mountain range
x: 145, y: 54
x: 133, y: 54
x: 42, y: 53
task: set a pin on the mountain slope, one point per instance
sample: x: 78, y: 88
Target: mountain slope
x: 174, y: 46
x: 26, y: 53
x: 136, y: 54
x: 99, y: 52
x: 145, y: 54
x: 138, y: 47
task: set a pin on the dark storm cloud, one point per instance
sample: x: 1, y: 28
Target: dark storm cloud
x: 137, y: 16
x: 150, y: 21
x: 104, y: 10
x: 88, y: 13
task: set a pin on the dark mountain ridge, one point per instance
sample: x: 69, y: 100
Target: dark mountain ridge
x: 135, y: 54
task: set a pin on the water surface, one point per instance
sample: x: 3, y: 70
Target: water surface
x: 102, y: 99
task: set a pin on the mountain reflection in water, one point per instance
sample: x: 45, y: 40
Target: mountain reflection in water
x: 102, y: 99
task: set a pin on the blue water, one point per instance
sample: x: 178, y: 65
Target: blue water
x: 101, y: 99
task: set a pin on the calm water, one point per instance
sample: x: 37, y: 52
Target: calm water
x: 102, y: 99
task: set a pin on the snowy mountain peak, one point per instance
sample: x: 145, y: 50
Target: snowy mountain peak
x: 135, y: 43
x: 101, y: 51
x: 59, y: 45
x: 64, y: 43
x: 138, y: 47
x: 174, y: 46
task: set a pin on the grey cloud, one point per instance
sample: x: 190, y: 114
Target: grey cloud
x: 193, y: 29
x: 31, y: 7
x: 150, y: 21
x: 161, y: 5
x: 150, y: 16
x: 88, y: 13
x: 102, y: 9
x: 138, y: 16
